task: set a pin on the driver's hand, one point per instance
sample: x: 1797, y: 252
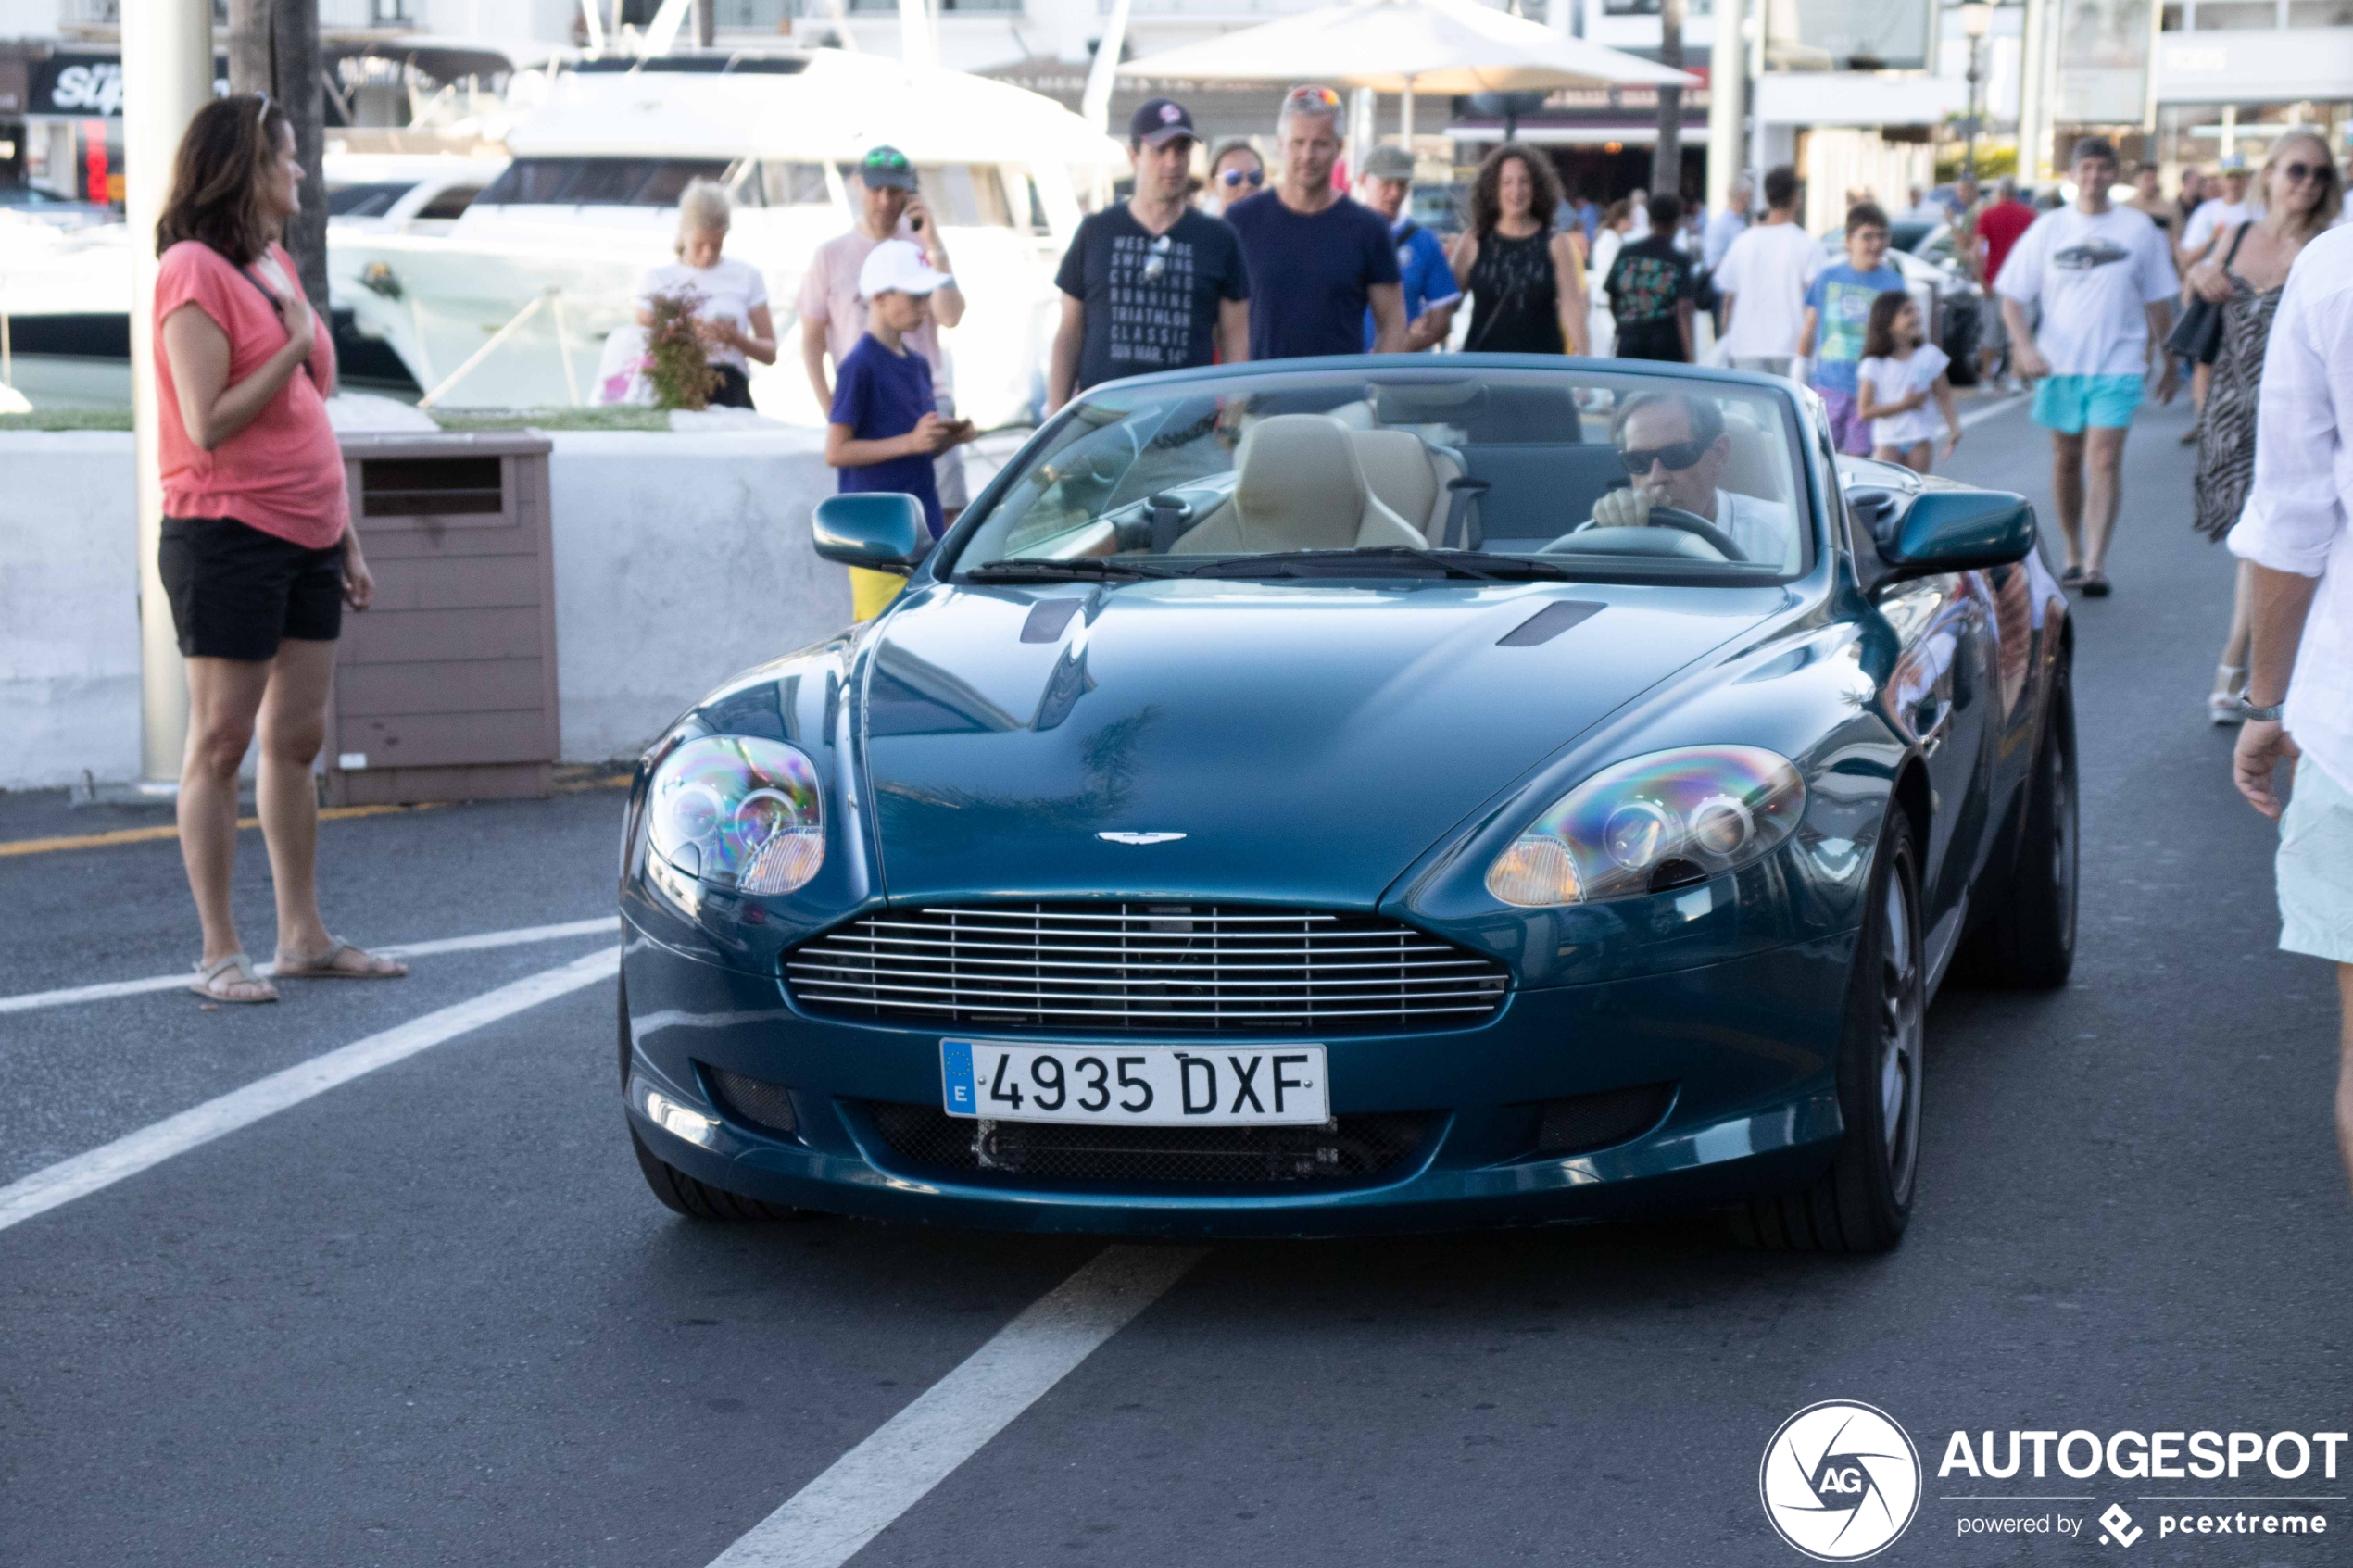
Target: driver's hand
x: 1622, y: 509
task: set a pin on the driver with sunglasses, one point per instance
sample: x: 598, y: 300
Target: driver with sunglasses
x: 1675, y: 447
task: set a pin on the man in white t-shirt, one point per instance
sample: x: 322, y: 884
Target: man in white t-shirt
x: 833, y: 318
x: 2218, y: 215
x: 2105, y: 287
x: 1762, y: 282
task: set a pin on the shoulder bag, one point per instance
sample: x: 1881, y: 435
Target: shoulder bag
x: 2197, y: 336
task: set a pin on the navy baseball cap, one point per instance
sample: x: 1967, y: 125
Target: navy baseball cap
x: 1160, y: 122
x: 886, y: 168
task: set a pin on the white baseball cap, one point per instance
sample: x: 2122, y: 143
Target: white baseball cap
x: 897, y: 267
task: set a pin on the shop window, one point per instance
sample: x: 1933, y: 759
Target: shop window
x: 2230, y: 15
x: 2319, y: 13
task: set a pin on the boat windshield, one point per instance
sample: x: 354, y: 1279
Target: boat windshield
x: 1415, y: 471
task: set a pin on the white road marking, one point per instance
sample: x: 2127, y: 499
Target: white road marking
x: 102, y: 1167
x: 1979, y: 416
x: 107, y: 990
x: 827, y: 1521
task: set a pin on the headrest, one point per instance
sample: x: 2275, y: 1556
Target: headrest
x: 1750, y: 469
x: 1298, y: 484
x: 1397, y: 467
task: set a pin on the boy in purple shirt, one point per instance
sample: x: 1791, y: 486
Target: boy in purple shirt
x: 884, y: 427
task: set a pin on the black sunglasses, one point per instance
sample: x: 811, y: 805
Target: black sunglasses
x: 1235, y: 177
x: 2305, y: 170
x: 1677, y: 455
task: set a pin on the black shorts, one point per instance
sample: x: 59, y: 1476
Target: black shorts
x: 733, y: 389
x: 236, y: 592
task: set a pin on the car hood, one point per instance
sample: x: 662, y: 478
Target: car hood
x: 1307, y: 742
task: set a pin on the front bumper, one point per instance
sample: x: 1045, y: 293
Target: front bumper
x: 1748, y: 1044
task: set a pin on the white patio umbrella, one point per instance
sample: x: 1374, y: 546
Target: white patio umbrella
x: 1449, y: 47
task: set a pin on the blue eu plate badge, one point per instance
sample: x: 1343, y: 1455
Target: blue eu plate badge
x: 956, y: 1077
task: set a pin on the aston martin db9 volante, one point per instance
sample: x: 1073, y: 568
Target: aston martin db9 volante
x: 1341, y: 796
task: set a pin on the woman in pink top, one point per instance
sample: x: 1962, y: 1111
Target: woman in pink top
x: 259, y: 556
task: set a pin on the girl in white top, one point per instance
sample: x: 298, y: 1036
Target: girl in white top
x: 1898, y: 376
x: 730, y: 297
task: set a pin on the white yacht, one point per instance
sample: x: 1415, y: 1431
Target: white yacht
x: 525, y: 287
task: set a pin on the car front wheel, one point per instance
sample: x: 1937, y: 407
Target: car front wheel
x: 1864, y: 1200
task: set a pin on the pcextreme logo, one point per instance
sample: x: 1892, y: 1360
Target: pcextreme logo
x: 1840, y: 1481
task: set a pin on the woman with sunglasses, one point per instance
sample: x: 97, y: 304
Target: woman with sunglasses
x: 259, y: 556
x: 2302, y: 194
x: 1235, y: 171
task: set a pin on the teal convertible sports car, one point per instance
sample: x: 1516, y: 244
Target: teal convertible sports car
x: 1350, y: 794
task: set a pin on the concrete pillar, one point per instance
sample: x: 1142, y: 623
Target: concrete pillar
x: 166, y: 76
x: 1726, y: 87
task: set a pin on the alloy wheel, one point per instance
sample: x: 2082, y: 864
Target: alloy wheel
x: 1902, y: 1029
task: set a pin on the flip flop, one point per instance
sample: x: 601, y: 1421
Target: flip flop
x: 2071, y: 578
x: 209, y: 985
x: 2095, y: 585
x: 322, y: 965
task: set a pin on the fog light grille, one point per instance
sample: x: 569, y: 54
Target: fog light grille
x: 755, y: 1103
x: 1358, y: 1149
x: 1582, y: 1123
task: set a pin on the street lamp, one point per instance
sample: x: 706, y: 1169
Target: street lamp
x: 1977, y: 20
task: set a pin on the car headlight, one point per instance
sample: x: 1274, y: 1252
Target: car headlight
x: 738, y: 811
x: 1653, y: 822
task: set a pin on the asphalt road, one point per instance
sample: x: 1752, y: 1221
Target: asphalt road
x: 432, y: 1315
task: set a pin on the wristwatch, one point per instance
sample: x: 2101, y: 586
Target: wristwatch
x: 2266, y: 714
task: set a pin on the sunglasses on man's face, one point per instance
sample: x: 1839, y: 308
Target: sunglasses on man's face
x: 1675, y: 455
x: 1233, y: 179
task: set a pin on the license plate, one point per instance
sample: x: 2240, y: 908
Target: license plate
x: 1136, y: 1087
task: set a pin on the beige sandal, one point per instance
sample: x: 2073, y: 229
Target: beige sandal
x: 322, y: 966
x: 210, y: 984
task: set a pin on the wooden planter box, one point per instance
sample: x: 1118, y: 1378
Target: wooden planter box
x: 446, y: 689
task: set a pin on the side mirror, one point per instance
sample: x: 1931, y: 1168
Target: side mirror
x: 881, y: 529
x: 1954, y: 531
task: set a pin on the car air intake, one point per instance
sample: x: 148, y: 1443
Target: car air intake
x: 755, y: 1103
x: 1583, y: 1122
x: 1153, y: 969
x: 1352, y: 1150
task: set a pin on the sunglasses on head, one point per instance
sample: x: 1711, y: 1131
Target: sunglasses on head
x: 1233, y: 178
x: 1677, y: 455
x: 1323, y: 98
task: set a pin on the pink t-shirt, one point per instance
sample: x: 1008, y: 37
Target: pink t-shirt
x: 829, y: 294
x: 283, y: 473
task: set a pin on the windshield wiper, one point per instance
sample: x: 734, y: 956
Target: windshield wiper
x: 1083, y: 568
x: 1384, y: 558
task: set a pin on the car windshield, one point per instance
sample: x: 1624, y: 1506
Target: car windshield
x: 1408, y: 471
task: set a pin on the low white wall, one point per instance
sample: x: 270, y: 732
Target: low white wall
x: 68, y: 609
x: 680, y: 559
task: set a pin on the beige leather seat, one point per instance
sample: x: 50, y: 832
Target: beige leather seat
x: 1750, y: 470
x: 1298, y: 486
x: 1408, y: 475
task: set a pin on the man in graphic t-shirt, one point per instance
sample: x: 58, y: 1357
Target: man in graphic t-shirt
x: 2106, y: 286
x: 1152, y: 285
x: 1317, y: 260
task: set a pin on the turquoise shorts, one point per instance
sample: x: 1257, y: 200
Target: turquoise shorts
x: 2316, y: 866
x: 2067, y: 403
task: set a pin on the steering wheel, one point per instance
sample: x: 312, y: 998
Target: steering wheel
x: 1690, y: 523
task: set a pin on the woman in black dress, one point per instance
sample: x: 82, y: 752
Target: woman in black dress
x: 1526, y: 280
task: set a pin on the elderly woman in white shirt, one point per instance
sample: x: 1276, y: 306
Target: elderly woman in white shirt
x: 729, y: 298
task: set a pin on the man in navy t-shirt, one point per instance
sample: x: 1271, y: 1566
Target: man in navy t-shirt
x: 885, y: 428
x: 1317, y: 261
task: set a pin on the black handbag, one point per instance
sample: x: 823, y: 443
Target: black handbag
x: 2197, y: 336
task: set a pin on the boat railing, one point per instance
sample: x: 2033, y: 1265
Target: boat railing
x: 550, y: 299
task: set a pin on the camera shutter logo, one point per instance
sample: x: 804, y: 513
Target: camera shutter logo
x: 1840, y: 1481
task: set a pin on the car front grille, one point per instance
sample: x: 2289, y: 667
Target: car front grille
x: 1351, y: 1150
x: 1143, y: 969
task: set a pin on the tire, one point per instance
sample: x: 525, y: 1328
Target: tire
x: 678, y: 1192
x: 2028, y: 943
x: 1864, y: 1200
